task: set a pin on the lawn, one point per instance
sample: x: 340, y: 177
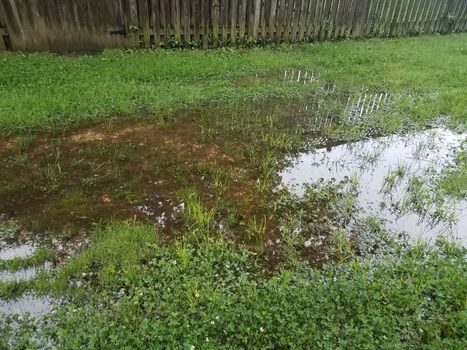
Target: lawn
x: 46, y: 91
x: 143, y: 200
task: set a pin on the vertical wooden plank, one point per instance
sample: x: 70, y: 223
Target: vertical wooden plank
x: 196, y: 18
x: 360, y: 18
x: 215, y: 22
x: 155, y: 21
x: 441, y: 15
x: 395, y: 17
x: 251, y: 18
x: 303, y: 19
x: 207, y: 23
x: 414, y: 17
x: 460, y: 16
x: 278, y: 19
x: 324, y: 19
x: 388, y: 18
x: 334, y: 19
x: 402, y: 17
x: 224, y: 9
x: 370, y: 18
x: 242, y: 19
x: 451, y: 21
x: 384, y: 16
x: 3, y: 29
x: 289, y: 20
x: 176, y: 17
x: 339, y: 23
x: 434, y: 15
x: 426, y: 22
x: 329, y: 20
x: 264, y: 9
x: 309, y: 19
x: 436, y: 10
x: 421, y: 10
x: 395, y: 30
x: 203, y: 29
x: 296, y: 7
x: 456, y: 9
x: 318, y: 19
x: 373, y: 31
x: 272, y: 29
x: 143, y: 20
x: 185, y: 20
x: 350, y: 18
x: 404, y: 27
x: 233, y: 20
x: 429, y: 15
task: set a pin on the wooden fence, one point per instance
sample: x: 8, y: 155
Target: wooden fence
x: 74, y: 25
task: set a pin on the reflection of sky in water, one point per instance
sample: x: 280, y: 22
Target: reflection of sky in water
x: 371, y: 161
x: 17, y: 251
x: 34, y: 305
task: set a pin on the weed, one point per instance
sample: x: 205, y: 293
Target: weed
x: 200, y: 220
x: 256, y: 230
x: 52, y: 177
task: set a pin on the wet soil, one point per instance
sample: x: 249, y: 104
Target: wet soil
x: 70, y: 181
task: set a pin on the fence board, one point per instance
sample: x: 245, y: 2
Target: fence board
x: 460, y: 16
x: 94, y: 24
x: 272, y: 20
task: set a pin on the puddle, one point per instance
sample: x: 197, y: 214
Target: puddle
x: 17, y: 251
x: 24, y: 274
x: 381, y: 170
x: 21, y: 275
x: 28, y: 303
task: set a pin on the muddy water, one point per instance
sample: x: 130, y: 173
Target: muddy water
x: 371, y: 164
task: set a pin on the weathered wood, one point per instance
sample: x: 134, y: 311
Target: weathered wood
x: 65, y: 25
x: 350, y: 17
x: 272, y: 29
x: 256, y: 16
x: 3, y: 30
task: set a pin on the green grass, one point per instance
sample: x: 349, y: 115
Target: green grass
x: 141, y: 294
x: 454, y: 183
x: 40, y: 256
x: 45, y: 91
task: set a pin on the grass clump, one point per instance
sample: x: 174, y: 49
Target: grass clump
x: 214, y: 295
x: 40, y: 256
x: 454, y: 183
x: 121, y: 248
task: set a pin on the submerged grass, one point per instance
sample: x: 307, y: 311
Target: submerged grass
x: 40, y: 256
x: 214, y: 295
x: 46, y: 91
x: 454, y: 183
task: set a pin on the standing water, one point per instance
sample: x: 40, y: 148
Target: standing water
x: 391, y: 174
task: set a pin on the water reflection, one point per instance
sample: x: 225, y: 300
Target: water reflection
x: 386, y: 171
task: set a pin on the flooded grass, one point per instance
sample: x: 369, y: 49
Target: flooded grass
x: 384, y: 172
x: 241, y: 223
